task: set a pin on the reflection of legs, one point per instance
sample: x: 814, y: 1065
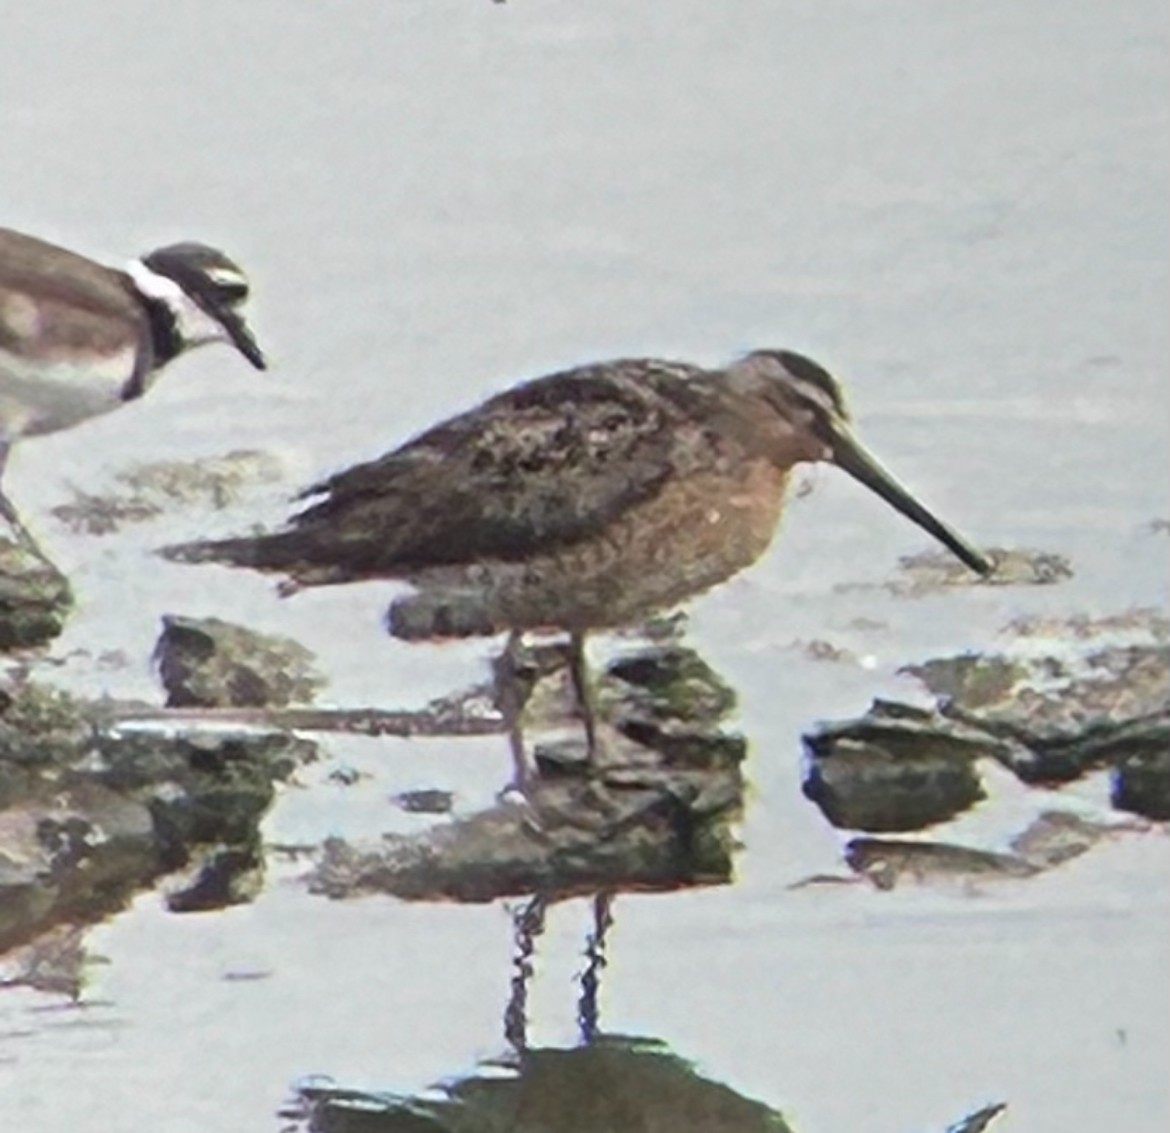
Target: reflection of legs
x: 510, y: 700
x: 588, y: 1013
x: 578, y: 671
x: 527, y: 924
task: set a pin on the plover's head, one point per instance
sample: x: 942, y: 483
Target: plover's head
x: 204, y: 291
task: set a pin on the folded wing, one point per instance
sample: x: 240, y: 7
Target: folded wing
x: 547, y: 463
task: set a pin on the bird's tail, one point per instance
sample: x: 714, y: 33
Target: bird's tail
x: 278, y: 551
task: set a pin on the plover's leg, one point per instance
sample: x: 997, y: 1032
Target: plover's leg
x: 579, y: 673
x: 9, y: 514
x: 510, y: 701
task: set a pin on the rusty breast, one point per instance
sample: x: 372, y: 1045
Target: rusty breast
x: 698, y: 531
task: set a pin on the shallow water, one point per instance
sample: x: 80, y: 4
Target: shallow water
x: 960, y: 209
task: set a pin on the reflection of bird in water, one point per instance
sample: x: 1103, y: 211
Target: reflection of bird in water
x: 528, y: 925
x: 607, y: 1082
x: 582, y: 500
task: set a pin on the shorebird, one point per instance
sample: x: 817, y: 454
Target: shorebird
x: 578, y: 501
x: 78, y: 339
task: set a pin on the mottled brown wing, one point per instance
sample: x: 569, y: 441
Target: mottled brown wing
x: 549, y: 462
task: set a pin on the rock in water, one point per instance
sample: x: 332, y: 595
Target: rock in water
x: 209, y: 663
x: 35, y: 598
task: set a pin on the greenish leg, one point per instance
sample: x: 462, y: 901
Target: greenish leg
x: 510, y: 699
x: 579, y: 673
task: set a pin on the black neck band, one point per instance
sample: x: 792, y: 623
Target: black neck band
x: 165, y: 344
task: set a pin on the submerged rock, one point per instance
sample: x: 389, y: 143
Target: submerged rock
x: 1051, y: 839
x: 979, y: 1120
x: 145, y: 491
x: 888, y: 862
x: 931, y: 571
x: 1063, y: 714
x: 55, y: 962
x: 206, y: 662
x: 1057, y: 836
x: 424, y: 800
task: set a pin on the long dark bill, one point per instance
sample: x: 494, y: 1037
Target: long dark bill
x: 850, y: 455
x: 243, y: 339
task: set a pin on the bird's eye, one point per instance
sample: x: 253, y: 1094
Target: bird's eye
x: 231, y: 287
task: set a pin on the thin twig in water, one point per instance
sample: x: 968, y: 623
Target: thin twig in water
x: 359, y: 721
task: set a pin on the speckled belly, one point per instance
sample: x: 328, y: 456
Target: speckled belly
x: 695, y: 534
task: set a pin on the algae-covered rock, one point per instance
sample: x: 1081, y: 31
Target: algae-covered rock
x: 71, y: 855
x: 207, y: 662
x: 1065, y: 712
x: 91, y: 813
x: 568, y: 836
x: 1096, y: 695
x: 35, y: 598
x: 652, y: 809
x: 221, y: 875
x: 669, y: 699
x: 42, y: 732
